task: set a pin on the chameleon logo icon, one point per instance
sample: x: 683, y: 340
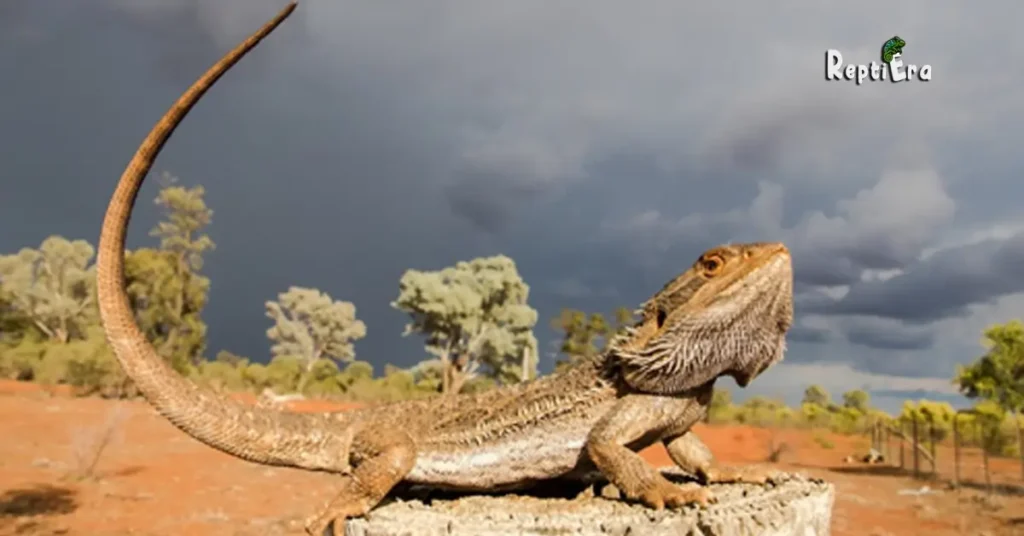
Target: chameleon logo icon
x: 891, y: 48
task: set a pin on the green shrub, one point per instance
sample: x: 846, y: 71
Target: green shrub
x: 932, y: 417
x: 222, y: 376
x: 21, y: 361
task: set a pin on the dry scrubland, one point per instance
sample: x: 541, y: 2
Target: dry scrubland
x: 104, y: 463
x: 94, y: 466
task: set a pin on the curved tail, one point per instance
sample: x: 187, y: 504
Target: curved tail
x: 263, y: 436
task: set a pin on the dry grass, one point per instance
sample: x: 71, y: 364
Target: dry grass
x: 88, y: 444
x: 776, y: 449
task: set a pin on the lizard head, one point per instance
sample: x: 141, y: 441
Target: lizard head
x: 728, y: 314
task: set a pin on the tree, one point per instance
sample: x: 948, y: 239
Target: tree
x: 186, y: 216
x: 998, y: 375
x: 310, y: 326
x: 230, y: 358
x: 815, y: 414
x: 168, y: 303
x: 165, y: 284
x: 580, y: 334
x: 721, y: 398
x: 857, y: 400
x: 624, y: 318
x: 817, y: 395
x: 759, y: 410
x: 937, y: 415
x: 14, y: 324
x: 473, y: 315
x: 52, y: 287
x: 721, y: 408
x: 584, y: 335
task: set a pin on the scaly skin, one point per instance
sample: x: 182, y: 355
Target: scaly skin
x: 726, y: 315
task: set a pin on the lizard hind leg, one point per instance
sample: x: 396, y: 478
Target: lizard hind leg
x: 385, y: 461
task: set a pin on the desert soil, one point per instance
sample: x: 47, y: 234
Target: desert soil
x: 152, y: 479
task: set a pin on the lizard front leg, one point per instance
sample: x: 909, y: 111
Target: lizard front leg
x: 634, y: 417
x: 693, y: 456
x: 385, y: 459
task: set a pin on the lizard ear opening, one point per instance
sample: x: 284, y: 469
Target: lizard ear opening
x: 660, y: 318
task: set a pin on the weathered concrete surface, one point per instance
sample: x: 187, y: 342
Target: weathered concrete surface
x: 793, y: 506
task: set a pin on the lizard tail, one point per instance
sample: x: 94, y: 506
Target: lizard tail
x: 264, y: 436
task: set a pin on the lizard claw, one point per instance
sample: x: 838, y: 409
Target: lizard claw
x: 315, y: 526
x: 330, y: 522
x: 745, y: 475
x: 666, y: 493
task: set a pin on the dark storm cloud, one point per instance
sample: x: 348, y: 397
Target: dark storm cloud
x: 811, y: 267
x: 772, y: 130
x: 873, y: 345
x: 890, y: 337
x: 807, y: 334
x: 941, y: 286
x: 488, y: 200
x: 360, y: 140
x: 335, y: 195
x: 185, y: 33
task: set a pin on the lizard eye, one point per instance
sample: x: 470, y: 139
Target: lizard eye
x: 660, y: 318
x: 711, y: 264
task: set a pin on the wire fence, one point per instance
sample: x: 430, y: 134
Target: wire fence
x: 918, y: 447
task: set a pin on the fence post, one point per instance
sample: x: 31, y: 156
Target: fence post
x: 931, y: 448
x: 1020, y: 441
x: 903, y: 439
x: 985, y: 442
x: 887, y: 441
x: 956, y: 449
x: 914, y: 445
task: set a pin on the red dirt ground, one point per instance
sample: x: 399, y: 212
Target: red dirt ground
x: 152, y: 479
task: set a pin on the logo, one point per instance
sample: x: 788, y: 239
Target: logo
x: 890, y: 68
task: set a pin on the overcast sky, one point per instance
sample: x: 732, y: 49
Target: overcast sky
x: 602, y: 145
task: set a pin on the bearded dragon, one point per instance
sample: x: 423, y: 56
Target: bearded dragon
x: 726, y: 315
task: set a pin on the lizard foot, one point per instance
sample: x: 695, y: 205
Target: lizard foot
x: 663, y: 493
x: 746, y: 475
x: 329, y: 521
x: 393, y: 455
